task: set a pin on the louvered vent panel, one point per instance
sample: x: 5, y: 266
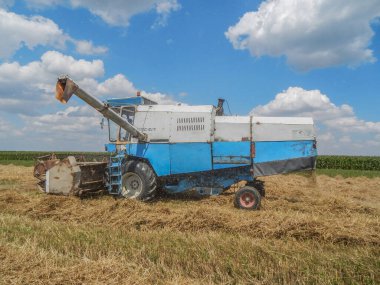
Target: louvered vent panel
x: 190, y: 124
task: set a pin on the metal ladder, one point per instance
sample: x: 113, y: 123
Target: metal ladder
x: 114, y: 184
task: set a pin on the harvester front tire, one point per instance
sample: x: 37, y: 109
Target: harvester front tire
x: 248, y: 198
x: 138, y: 181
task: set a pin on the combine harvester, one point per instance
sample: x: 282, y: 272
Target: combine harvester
x: 179, y: 148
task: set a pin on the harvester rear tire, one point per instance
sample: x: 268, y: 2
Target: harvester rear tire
x: 138, y: 181
x: 247, y: 198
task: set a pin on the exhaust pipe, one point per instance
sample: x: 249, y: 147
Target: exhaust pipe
x: 65, y: 88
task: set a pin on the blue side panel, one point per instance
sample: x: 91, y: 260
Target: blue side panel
x: 239, y: 149
x: 110, y: 147
x: 190, y: 157
x: 227, y: 165
x: 157, y: 154
x: 271, y: 151
x: 231, y: 154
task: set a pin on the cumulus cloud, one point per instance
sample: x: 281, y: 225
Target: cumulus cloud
x: 5, y: 127
x: 310, y: 34
x: 73, y: 128
x: 119, y: 86
x: 163, y: 9
x: 71, y: 121
x: 23, y: 82
x: 7, y: 130
x: 27, y: 97
x: 118, y: 12
x: 20, y: 85
x: 32, y: 31
x: 88, y: 48
x: 28, y: 90
x: 19, y: 30
x: 339, y: 129
x: 160, y: 98
x: 303, y: 102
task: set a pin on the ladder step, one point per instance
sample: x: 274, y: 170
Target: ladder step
x: 114, y: 169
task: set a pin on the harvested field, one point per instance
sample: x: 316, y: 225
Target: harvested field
x: 309, y: 231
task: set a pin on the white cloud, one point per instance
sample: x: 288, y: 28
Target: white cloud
x: 163, y: 9
x: 311, y: 34
x: 118, y: 86
x: 159, y: 98
x: 22, y: 81
x: 88, y: 48
x: 340, y: 131
x: 55, y: 62
x: 74, y: 128
x: 7, y: 129
x: 4, y: 126
x: 32, y: 31
x: 35, y: 81
x: 118, y: 12
x: 29, y: 89
x: 43, y: 3
x: 17, y: 31
x: 27, y: 98
x: 71, y: 121
x: 303, y: 102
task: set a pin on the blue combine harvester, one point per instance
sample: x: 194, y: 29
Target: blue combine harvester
x: 180, y: 148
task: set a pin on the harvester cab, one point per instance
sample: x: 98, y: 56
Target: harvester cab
x: 126, y: 108
x: 183, y: 148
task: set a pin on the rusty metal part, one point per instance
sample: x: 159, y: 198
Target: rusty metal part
x: 64, y: 89
x: 69, y: 176
x: 41, y: 166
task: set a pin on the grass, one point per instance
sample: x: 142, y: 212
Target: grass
x: 7, y: 181
x: 17, y: 162
x: 162, y: 256
x: 308, y: 232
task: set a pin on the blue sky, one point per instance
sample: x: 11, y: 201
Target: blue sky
x: 271, y: 58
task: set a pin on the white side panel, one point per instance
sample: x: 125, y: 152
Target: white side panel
x: 283, y: 120
x: 232, y: 128
x: 282, y: 129
x: 155, y: 124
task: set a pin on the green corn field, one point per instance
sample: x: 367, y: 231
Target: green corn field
x: 27, y: 158
x: 348, y: 162
x: 323, y: 161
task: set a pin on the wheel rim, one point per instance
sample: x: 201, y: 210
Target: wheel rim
x: 247, y: 200
x: 132, y: 185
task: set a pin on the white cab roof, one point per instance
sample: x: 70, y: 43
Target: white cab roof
x: 175, y: 108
